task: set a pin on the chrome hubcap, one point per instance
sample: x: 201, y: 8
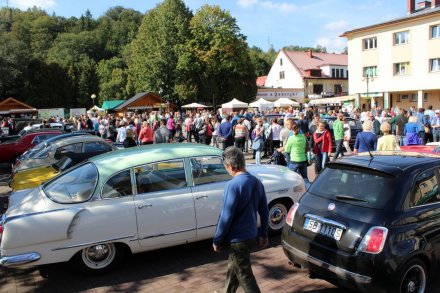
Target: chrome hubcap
x: 414, y: 280
x: 99, y: 256
x: 277, y: 215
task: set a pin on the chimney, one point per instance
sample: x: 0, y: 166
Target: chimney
x: 423, y: 5
x: 411, y: 6
x: 309, y: 53
x: 435, y: 3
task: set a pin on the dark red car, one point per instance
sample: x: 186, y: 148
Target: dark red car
x: 10, y: 151
x: 427, y: 149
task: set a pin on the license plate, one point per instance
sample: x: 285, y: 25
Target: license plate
x: 324, y: 229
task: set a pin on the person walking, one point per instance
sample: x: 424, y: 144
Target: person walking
x: 347, y: 136
x: 244, y: 196
x: 338, y: 132
x: 365, y: 140
x: 258, y: 141
x: 322, y: 146
x: 146, y: 135
x: 240, y: 134
x: 435, y: 124
x: 225, y: 133
x: 162, y: 134
x: 388, y: 142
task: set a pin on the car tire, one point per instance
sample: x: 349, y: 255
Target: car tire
x: 277, y: 216
x: 413, y: 277
x: 99, y: 258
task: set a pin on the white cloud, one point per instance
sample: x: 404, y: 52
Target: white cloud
x: 284, y: 7
x: 337, y: 25
x: 332, y: 44
x: 25, y: 4
x: 271, y: 5
x: 247, y: 3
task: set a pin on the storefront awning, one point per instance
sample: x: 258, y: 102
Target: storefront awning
x: 332, y: 100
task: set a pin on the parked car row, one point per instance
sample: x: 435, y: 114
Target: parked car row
x: 138, y: 199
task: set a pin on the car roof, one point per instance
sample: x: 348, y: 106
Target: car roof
x: 391, y: 162
x: 65, y: 135
x: 124, y: 158
x: 76, y: 138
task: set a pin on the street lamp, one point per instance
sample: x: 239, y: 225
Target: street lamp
x: 368, y: 77
x: 93, y: 97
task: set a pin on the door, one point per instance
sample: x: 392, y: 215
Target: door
x: 164, y: 204
x: 209, y: 179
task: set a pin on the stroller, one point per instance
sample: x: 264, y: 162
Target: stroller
x: 277, y: 158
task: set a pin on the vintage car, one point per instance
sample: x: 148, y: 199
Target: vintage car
x: 370, y: 223
x: 10, y: 151
x: 130, y: 200
x: 77, y: 147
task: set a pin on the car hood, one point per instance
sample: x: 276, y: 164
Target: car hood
x: 272, y: 175
x: 25, y: 202
x: 30, y: 178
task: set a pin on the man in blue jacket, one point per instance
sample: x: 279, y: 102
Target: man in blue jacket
x: 243, y: 198
x: 225, y: 132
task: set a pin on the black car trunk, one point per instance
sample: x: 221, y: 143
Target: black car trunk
x: 353, y: 220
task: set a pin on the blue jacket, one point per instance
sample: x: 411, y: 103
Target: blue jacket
x: 225, y: 130
x: 365, y: 141
x: 243, y: 197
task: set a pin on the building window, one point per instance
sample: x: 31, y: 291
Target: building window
x: 370, y: 71
x: 401, y: 38
x: 402, y: 68
x: 341, y: 73
x: 370, y: 43
x: 434, y: 64
x: 281, y: 74
x: 435, y: 31
x: 318, y: 89
x: 281, y: 61
x: 333, y: 72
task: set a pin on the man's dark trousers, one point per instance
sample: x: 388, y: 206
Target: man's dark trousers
x: 239, y: 268
x: 339, y: 143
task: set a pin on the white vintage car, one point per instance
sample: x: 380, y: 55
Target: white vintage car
x: 130, y: 200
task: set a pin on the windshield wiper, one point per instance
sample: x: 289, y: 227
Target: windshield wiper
x: 349, y: 197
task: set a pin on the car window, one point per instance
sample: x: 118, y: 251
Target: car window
x: 71, y: 148
x: 372, y: 188
x: 39, y: 138
x: 160, y: 176
x: 119, y: 185
x: 74, y: 186
x: 208, y: 170
x: 96, y: 146
x: 426, y: 188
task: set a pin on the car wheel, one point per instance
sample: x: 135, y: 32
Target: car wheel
x: 99, y: 258
x: 277, y: 216
x: 413, y: 278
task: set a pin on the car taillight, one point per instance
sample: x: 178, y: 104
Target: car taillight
x: 374, y: 240
x: 291, y: 214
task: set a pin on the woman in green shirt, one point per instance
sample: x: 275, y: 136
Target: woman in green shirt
x: 296, y: 147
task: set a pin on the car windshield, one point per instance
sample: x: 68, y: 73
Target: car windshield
x: 359, y: 186
x: 73, y: 186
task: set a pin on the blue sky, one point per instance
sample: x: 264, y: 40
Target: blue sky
x: 266, y: 23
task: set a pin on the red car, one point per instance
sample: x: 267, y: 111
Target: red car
x: 426, y: 149
x: 10, y: 151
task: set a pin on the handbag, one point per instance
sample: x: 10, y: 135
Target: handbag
x: 258, y: 144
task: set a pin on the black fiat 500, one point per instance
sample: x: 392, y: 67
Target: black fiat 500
x: 370, y: 223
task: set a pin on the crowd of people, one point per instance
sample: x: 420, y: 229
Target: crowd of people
x: 302, y: 135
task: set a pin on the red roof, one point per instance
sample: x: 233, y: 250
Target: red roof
x: 302, y: 61
x: 261, y: 80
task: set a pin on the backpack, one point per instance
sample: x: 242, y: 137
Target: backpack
x: 278, y: 159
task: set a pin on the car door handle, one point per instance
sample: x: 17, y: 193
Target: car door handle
x: 201, y: 197
x: 145, y: 206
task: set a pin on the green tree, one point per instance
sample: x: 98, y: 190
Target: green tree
x: 14, y: 59
x: 260, y: 61
x: 113, y: 78
x: 217, y: 58
x: 155, y: 52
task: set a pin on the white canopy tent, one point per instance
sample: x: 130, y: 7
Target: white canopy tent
x: 285, y: 102
x: 96, y: 110
x: 234, y: 105
x: 194, y: 105
x: 262, y: 104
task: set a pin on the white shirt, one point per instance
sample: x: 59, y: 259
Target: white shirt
x: 122, y: 134
x: 276, y: 130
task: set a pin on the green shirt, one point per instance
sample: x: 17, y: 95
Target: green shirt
x: 338, y: 129
x: 296, y: 147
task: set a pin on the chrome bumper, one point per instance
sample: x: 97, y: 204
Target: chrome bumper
x: 20, y: 259
x: 341, y: 273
